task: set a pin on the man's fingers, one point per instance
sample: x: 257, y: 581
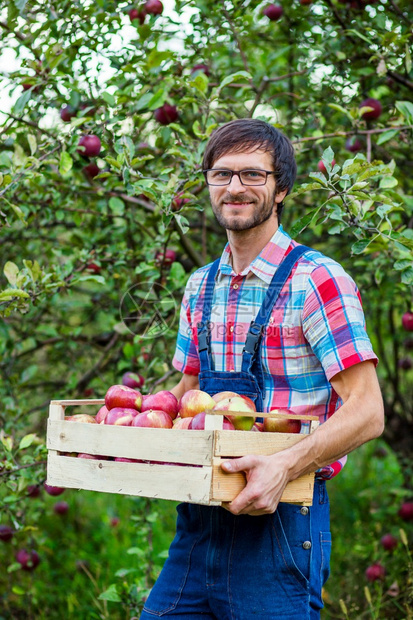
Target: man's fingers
x: 241, y: 464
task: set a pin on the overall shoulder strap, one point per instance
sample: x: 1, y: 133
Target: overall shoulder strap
x: 202, y: 327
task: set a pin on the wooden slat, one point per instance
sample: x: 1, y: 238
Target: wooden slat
x: 81, y: 401
x: 225, y: 487
x: 239, y: 443
x: 187, y: 484
x: 151, y: 444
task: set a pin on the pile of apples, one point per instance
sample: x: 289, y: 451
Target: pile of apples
x: 126, y: 406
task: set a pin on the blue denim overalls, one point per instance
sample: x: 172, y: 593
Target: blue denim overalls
x: 228, y: 567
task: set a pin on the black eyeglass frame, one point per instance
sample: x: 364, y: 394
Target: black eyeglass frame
x: 238, y: 174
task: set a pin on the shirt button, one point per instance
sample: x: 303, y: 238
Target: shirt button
x: 304, y: 510
x: 231, y: 329
x: 306, y: 544
x: 235, y: 286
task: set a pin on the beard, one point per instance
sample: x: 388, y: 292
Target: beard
x: 263, y: 210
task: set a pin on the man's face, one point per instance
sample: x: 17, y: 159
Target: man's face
x: 241, y: 207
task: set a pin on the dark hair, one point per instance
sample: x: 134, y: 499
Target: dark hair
x: 246, y: 134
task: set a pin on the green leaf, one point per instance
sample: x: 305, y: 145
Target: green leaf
x: 406, y: 109
x: 328, y: 156
x: 408, y: 61
x: 9, y: 293
x: 387, y: 135
x: 303, y: 222
x: 360, y: 246
x: 22, y: 101
x: 7, y: 442
x: 111, y: 594
x: 388, y: 182
x: 66, y: 163
x: 11, y: 272
x: 182, y: 221
x: 117, y: 205
x: 233, y: 78
x: 32, y: 143
x: 110, y: 99
x: 340, y: 108
x: 319, y: 178
x: 407, y: 276
x: 177, y: 275
x: 26, y: 441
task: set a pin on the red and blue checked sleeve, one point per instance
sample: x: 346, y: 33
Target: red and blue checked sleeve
x: 186, y: 358
x: 333, y: 320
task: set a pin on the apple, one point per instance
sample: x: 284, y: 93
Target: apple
x: 197, y: 423
x: 322, y: 168
x: 376, y: 110
x: 389, y: 542
x: 91, y: 171
x: 165, y: 258
x: 405, y: 363
x: 114, y: 522
x: 83, y: 418
x: 239, y: 404
x: 61, y: 508
x: 178, y: 202
x: 133, y: 380
x: 258, y: 427
x: 182, y: 423
x: 166, y: 114
x: 91, y: 457
x: 154, y: 418
x: 89, y: 145
x: 67, y: 113
x: 6, y: 533
x: 223, y: 395
x: 136, y: 14
x: 153, y: 7
x: 164, y: 400
x: 375, y: 572
x: 123, y: 459
x: 123, y: 396
x: 54, y: 491
x: 101, y: 414
x: 273, y: 12
x: 407, y: 321
x: 88, y: 392
x: 33, y: 490
x: 353, y: 144
x: 93, y: 267
x: 405, y: 511
x: 28, y: 559
x: 280, y: 425
x: 120, y: 416
x: 305, y: 2
x: 89, y: 106
x: 200, y: 67
x: 193, y: 402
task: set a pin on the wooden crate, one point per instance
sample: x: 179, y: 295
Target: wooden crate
x: 201, y: 481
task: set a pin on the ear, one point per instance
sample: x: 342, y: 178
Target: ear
x: 280, y: 196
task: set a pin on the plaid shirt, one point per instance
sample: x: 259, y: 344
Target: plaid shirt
x: 316, y: 329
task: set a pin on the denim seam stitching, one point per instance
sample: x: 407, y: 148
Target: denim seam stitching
x: 285, y: 562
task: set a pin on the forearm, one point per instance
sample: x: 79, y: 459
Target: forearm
x: 187, y: 382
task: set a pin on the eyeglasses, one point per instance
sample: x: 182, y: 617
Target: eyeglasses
x: 218, y: 177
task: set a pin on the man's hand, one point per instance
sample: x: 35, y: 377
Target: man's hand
x: 267, y: 477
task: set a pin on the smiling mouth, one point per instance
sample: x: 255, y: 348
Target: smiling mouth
x: 237, y: 204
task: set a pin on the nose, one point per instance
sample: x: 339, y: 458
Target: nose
x: 236, y: 185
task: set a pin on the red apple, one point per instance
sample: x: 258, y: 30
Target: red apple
x: 406, y: 511
x: 61, y: 508
x: 123, y: 396
x: 239, y: 404
x: 305, y: 2
x: 353, y: 144
x: 405, y: 363
x: 407, y: 321
x: 6, y: 533
x: 53, y: 490
x: 223, y: 395
x: 91, y: 171
x: 91, y: 457
x: 164, y: 400
x: 67, y: 113
x: 273, y: 11
x: 322, y: 168
x: 123, y: 459
x: 197, y: 423
x: 178, y: 202
x: 193, y: 402
x: 166, y: 114
x: 28, y: 559
x: 258, y: 427
x: 120, y: 416
x: 33, y: 490
x: 408, y: 344
x: 83, y: 418
x: 136, y: 14
x: 101, y: 414
x: 133, y: 380
x: 201, y: 67
x: 375, y: 572
x: 154, y: 418
x: 91, y: 145
x: 153, y: 7
x: 281, y: 425
x: 375, y: 111
x: 166, y: 258
x: 114, y: 522
x: 182, y: 423
x: 389, y: 542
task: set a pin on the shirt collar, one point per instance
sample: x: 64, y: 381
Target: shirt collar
x: 265, y: 264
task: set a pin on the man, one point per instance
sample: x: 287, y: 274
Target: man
x: 283, y: 324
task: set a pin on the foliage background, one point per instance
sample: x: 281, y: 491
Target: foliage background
x: 72, y: 246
